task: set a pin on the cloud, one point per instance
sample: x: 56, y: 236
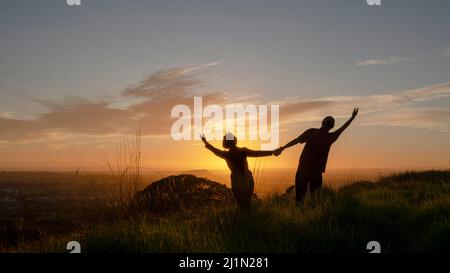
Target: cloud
x: 391, y: 60
x: 171, y: 82
x: 150, y: 101
x: 7, y: 115
x: 213, y: 63
x: 447, y: 51
x: 405, y: 108
x: 429, y: 118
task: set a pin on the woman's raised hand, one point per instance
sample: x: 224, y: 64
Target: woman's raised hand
x: 203, y: 138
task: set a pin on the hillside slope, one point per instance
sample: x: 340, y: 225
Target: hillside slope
x: 404, y: 213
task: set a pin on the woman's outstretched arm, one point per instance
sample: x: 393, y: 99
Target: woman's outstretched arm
x: 213, y: 149
x: 253, y: 153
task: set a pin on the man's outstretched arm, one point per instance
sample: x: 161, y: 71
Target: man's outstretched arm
x: 292, y: 143
x: 295, y: 141
x: 339, y: 131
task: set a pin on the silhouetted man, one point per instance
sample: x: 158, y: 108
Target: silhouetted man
x: 313, y: 159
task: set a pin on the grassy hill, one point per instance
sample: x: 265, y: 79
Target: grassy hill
x: 409, y: 212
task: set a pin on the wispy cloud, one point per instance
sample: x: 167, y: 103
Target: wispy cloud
x: 213, y: 63
x: 428, y: 118
x: 391, y: 60
x: 149, y: 103
x: 152, y: 99
x: 447, y: 51
x: 405, y: 108
x: 7, y: 115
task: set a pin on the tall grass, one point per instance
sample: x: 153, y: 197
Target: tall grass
x: 405, y: 213
x: 118, y: 201
x: 258, y: 172
x: 126, y: 172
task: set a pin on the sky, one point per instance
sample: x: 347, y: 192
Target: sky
x: 75, y: 82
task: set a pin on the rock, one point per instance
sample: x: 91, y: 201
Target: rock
x: 183, y: 192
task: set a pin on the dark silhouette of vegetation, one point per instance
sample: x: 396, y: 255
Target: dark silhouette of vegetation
x: 183, y: 192
x: 407, y: 212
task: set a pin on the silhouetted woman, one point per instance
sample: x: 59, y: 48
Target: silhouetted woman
x: 242, y: 183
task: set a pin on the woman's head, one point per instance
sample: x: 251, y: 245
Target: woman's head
x: 229, y: 140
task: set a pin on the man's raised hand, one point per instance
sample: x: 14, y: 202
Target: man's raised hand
x: 355, y: 112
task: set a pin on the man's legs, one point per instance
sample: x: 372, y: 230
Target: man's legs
x: 315, y: 182
x: 301, y: 185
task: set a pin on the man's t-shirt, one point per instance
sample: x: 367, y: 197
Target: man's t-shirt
x: 315, y: 153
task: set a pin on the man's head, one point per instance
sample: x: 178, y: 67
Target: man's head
x: 229, y: 140
x: 328, y: 123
